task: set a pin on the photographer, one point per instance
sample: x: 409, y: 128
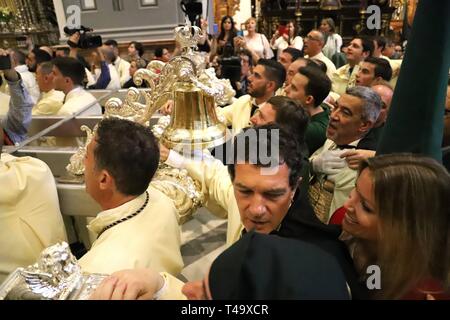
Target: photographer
x: 18, y: 59
x: 122, y: 66
x: 18, y: 118
x: 107, y: 77
x: 98, y: 66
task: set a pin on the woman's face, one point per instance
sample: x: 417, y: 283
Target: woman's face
x: 133, y: 68
x: 245, y: 65
x: 226, y: 25
x: 361, y: 219
x: 131, y: 50
x: 251, y: 25
x: 324, y: 26
x: 290, y: 28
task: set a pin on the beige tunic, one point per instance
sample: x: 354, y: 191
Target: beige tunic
x: 49, y: 104
x: 238, y: 114
x: 344, y: 181
x: 151, y: 239
x: 341, y: 79
x: 30, y: 219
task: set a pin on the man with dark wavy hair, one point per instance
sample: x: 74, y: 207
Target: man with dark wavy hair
x: 267, y: 77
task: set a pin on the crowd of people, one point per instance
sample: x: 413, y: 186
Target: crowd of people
x: 332, y: 208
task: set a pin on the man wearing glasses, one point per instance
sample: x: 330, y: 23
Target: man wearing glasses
x: 313, y: 45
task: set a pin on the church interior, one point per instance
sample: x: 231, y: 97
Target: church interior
x: 121, y: 127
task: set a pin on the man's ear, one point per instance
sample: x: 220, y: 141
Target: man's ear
x: 365, y: 54
x: 310, y: 100
x: 68, y: 80
x: 365, y: 126
x: 271, y: 86
x: 106, y: 181
x: 377, y: 79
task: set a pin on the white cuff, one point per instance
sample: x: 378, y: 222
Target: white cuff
x: 175, y: 159
x: 163, y: 289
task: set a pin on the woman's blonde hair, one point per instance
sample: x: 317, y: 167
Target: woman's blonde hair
x: 412, y: 198
x: 330, y: 23
x: 250, y: 19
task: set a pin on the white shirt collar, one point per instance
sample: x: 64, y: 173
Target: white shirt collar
x: 22, y: 68
x: 73, y: 92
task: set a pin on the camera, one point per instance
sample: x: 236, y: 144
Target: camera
x: 5, y: 62
x: 87, y: 40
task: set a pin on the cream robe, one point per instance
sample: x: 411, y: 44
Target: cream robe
x: 344, y: 181
x: 76, y: 100
x: 30, y: 219
x: 217, y: 189
x: 151, y: 239
x: 219, y: 195
x: 238, y: 114
x: 341, y: 79
x: 49, y: 104
x: 4, y: 103
x: 172, y: 289
x: 123, y: 68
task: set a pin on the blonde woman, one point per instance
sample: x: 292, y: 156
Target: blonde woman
x: 255, y: 42
x: 398, y: 218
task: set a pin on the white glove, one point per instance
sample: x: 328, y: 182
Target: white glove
x: 329, y: 162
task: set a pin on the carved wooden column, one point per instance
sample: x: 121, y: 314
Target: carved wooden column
x: 225, y: 8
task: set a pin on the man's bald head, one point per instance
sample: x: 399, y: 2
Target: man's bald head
x: 386, y: 92
x: 108, y: 52
x: 314, y: 43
